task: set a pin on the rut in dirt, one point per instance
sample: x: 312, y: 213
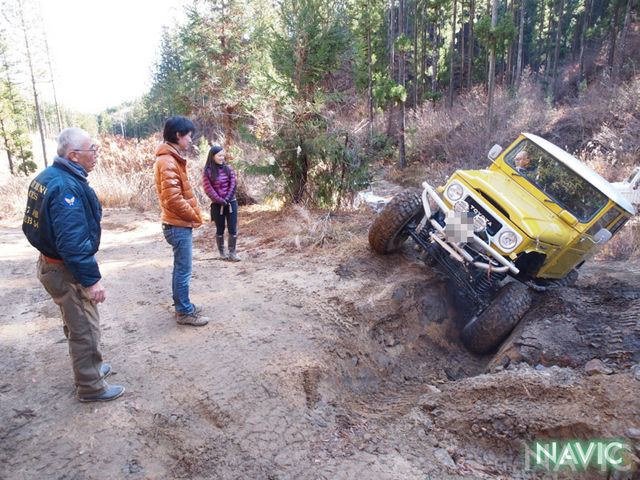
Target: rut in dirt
x: 406, y: 334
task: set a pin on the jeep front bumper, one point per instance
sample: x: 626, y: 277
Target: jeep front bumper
x: 452, y: 238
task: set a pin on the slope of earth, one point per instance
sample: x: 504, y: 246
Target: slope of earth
x: 321, y: 360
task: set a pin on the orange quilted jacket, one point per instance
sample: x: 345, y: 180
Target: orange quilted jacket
x: 179, y: 204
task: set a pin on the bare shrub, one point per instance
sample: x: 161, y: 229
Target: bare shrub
x: 611, y: 119
x: 524, y: 110
x: 458, y: 136
x: 123, y: 178
x: 623, y: 137
x: 126, y: 155
x: 13, y: 198
x: 605, y: 119
x: 296, y: 227
x: 625, y: 245
x: 124, y: 175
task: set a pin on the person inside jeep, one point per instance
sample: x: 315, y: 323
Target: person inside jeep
x: 557, y: 181
x: 523, y: 162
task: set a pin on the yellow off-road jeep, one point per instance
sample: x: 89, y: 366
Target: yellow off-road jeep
x: 526, y: 223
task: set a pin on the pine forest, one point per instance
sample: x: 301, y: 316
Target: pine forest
x: 316, y: 94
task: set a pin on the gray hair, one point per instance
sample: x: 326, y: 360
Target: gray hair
x: 71, y: 139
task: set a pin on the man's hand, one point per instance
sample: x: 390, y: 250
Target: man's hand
x: 97, y: 292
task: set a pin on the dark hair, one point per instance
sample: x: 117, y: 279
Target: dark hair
x: 210, y: 163
x: 177, y: 124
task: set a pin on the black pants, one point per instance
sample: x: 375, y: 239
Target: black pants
x: 230, y: 212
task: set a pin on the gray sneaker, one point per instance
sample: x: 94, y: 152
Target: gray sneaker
x: 194, y: 318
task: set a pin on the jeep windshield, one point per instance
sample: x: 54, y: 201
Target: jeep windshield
x: 561, y: 184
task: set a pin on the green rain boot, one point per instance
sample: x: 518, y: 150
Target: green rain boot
x: 232, y: 248
x: 220, y: 242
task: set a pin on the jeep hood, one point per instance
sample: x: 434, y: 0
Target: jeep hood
x: 524, y: 210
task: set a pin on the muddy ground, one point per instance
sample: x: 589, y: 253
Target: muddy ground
x: 322, y: 361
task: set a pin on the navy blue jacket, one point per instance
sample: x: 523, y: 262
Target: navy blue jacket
x: 62, y: 219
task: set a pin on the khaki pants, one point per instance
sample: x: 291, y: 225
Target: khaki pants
x: 81, y: 325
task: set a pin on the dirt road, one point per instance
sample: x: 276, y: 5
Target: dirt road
x: 319, y: 363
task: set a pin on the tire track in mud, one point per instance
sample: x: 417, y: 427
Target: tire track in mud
x: 616, y: 337
x: 324, y: 310
x: 241, y: 409
x: 597, y: 318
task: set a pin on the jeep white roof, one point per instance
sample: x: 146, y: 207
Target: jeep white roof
x: 583, y: 170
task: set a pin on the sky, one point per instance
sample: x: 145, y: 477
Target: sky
x: 103, y: 52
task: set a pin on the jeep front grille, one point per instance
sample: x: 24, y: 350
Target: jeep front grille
x: 493, y: 225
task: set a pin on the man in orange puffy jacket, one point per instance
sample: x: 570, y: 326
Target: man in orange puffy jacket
x: 180, y: 213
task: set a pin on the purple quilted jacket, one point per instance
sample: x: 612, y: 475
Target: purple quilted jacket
x: 223, y: 188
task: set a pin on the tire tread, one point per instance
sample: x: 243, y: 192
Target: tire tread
x: 492, y: 326
x: 384, y: 234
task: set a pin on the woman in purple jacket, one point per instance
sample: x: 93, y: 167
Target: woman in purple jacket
x: 219, y: 182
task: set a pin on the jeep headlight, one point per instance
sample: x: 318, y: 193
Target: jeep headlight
x: 454, y: 192
x: 508, y: 240
x: 461, y: 206
x: 479, y: 223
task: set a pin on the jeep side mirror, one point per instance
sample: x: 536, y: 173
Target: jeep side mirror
x: 602, y: 236
x: 636, y: 179
x: 495, y: 152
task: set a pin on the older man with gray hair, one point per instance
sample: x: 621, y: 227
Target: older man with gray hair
x: 62, y: 220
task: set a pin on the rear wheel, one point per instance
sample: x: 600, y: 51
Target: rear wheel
x: 386, y: 234
x: 486, y: 331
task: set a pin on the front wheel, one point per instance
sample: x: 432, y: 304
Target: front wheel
x: 486, y: 331
x: 386, y: 234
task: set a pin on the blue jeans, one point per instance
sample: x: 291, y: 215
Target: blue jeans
x: 180, y: 239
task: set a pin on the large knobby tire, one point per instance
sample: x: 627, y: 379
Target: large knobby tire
x: 486, y: 331
x: 386, y: 235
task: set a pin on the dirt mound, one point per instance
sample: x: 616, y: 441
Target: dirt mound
x: 599, y: 317
x: 501, y: 410
x: 487, y: 418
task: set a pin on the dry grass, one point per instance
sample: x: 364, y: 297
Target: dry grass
x: 13, y: 199
x: 626, y: 243
x: 124, y: 174
x: 296, y: 228
x: 135, y: 190
x: 123, y: 178
x: 435, y: 173
x: 457, y: 137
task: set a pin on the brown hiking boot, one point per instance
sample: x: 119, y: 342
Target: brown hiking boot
x: 195, y: 318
